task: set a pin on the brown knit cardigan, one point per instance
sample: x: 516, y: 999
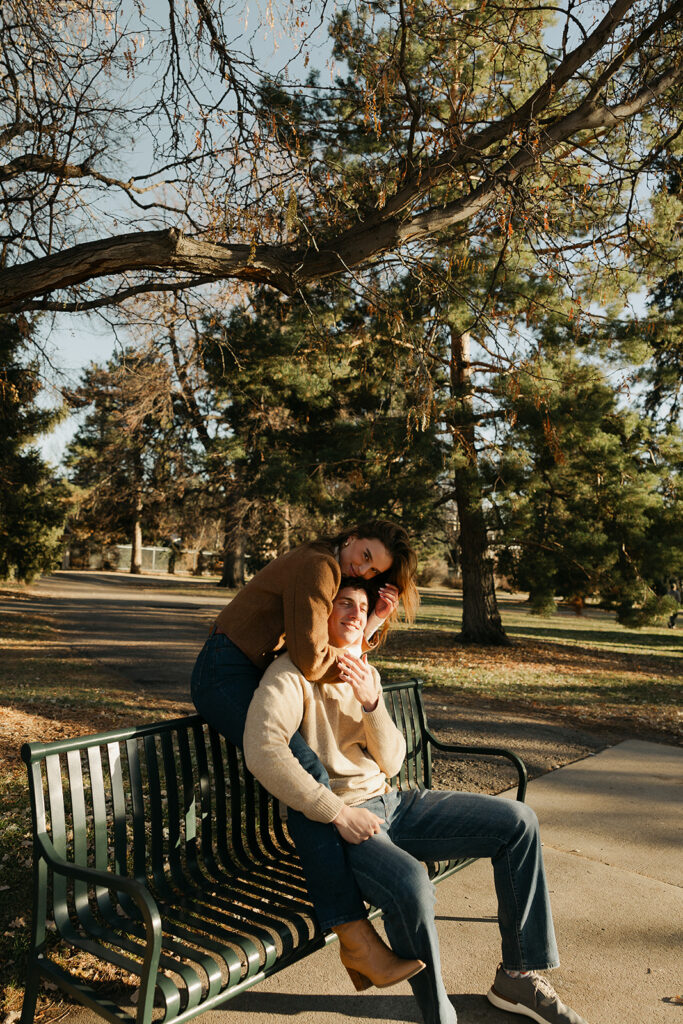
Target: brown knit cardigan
x: 288, y: 602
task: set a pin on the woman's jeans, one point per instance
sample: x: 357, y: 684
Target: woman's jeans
x: 427, y: 825
x: 223, y: 683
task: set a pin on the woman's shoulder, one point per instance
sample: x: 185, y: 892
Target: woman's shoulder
x: 311, y: 554
x: 314, y: 553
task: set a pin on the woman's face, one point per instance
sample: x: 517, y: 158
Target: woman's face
x: 363, y: 556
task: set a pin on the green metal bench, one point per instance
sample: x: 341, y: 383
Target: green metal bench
x: 156, y: 851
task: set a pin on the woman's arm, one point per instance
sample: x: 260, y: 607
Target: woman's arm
x: 307, y: 604
x: 386, y: 605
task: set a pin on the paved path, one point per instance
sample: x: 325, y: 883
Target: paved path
x: 612, y: 845
x: 150, y: 629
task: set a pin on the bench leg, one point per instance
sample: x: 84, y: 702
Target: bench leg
x: 28, y: 1009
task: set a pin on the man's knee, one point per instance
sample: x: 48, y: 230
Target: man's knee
x: 524, y: 820
x: 398, y: 884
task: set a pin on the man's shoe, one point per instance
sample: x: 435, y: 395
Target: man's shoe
x: 532, y: 996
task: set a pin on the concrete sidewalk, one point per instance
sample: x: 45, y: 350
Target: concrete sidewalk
x: 611, y: 826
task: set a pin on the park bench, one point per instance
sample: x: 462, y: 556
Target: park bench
x: 156, y: 851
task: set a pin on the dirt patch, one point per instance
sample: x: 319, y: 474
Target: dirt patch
x: 544, y: 742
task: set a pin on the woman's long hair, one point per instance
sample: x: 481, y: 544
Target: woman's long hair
x: 403, y: 566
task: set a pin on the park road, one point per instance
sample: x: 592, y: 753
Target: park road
x: 150, y: 629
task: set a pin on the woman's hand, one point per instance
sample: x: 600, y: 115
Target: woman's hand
x: 386, y: 605
x: 361, y: 678
x: 356, y: 824
x: 387, y: 602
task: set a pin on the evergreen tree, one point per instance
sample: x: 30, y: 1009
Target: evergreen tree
x: 32, y: 501
x: 129, y: 464
x: 315, y: 405
x: 585, y: 492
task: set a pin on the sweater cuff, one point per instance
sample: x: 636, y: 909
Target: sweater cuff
x: 378, y: 717
x: 326, y: 807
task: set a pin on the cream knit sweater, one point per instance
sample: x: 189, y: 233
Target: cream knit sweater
x: 359, y: 749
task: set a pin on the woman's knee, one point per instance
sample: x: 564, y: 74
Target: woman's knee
x: 309, y: 760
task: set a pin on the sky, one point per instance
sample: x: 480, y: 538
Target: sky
x: 77, y: 340
x: 73, y: 342
x: 70, y: 347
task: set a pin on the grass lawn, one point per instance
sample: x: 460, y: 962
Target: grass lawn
x: 585, y: 669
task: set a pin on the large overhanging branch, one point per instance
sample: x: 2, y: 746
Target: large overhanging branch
x: 588, y: 117
x: 165, y: 250
x: 181, y: 261
x: 535, y: 105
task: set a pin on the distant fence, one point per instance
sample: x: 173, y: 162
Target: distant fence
x: 159, y: 559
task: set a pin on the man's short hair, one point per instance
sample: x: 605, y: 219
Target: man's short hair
x: 358, y: 583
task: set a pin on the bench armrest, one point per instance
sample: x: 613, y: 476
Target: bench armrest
x: 108, y: 880
x: 457, y: 748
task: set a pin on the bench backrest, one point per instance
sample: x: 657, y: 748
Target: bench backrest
x: 158, y: 799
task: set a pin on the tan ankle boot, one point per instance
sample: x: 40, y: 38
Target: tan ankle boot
x: 368, y: 959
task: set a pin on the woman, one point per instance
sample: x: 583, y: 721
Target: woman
x: 289, y: 602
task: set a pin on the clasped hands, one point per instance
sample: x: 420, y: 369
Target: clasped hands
x: 386, y: 605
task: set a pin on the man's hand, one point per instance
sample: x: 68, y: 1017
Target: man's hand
x: 360, y: 676
x: 356, y: 824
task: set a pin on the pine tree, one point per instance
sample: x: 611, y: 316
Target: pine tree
x: 584, y: 491
x: 32, y: 500
x: 130, y: 466
x: 314, y: 406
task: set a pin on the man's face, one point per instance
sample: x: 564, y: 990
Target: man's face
x: 348, y: 618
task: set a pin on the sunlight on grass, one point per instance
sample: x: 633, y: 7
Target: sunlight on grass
x: 594, y: 628
x: 586, y: 666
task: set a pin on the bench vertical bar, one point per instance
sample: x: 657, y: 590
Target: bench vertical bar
x: 40, y: 882
x: 151, y: 956
x: 426, y: 745
x: 79, y: 826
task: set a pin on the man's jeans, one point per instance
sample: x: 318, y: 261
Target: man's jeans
x: 223, y: 683
x: 428, y: 825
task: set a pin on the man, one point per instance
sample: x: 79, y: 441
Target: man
x: 391, y: 833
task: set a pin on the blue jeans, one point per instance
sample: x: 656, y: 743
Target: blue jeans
x: 223, y: 683
x: 428, y: 825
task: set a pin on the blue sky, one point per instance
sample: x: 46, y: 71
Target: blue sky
x: 72, y: 342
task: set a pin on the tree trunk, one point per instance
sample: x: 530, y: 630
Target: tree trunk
x: 481, y: 623
x: 233, y: 574
x: 136, y: 537
x: 285, y: 543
